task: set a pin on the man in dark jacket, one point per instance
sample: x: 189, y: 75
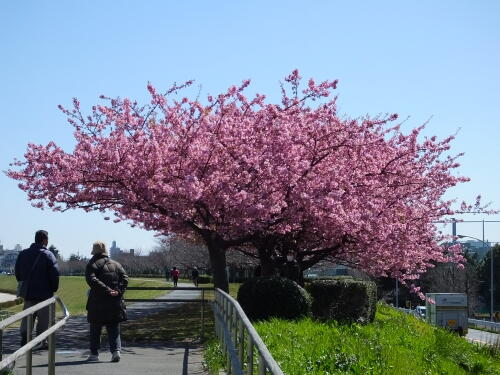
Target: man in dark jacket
x: 107, y: 280
x: 37, y: 267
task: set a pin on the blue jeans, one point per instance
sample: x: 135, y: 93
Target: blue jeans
x: 114, y: 340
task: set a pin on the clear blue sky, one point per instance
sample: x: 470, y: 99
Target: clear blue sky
x: 438, y: 59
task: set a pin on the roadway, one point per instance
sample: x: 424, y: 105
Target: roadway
x: 482, y: 337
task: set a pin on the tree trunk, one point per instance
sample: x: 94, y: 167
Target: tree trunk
x: 217, y: 255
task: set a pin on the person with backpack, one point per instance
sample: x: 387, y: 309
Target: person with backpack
x: 37, y: 274
x: 105, y: 307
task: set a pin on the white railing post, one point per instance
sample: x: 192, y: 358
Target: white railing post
x: 262, y: 365
x: 52, y: 340
x: 202, y: 313
x: 29, y: 336
x: 241, y: 342
x: 250, y: 356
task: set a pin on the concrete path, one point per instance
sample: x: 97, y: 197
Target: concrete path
x: 137, y: 358
x: 5, y: 297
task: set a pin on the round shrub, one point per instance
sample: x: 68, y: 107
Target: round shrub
x: 346, y: 300
x: 205, y: 279
x: 264, y: 298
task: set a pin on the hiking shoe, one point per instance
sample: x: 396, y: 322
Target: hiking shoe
x: 93, y: 358
x: 115, y: 357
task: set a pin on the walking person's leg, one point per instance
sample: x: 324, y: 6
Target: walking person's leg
x: 24, y: 323
x: 42, y: 324
x: 95, y: 341
x: 115, y: 343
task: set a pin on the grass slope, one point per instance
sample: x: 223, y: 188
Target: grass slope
x: 395, y: 343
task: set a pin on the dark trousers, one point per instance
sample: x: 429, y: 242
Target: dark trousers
x: 114, y: 340
x: 41, y: 316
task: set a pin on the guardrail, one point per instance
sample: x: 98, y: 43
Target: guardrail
x: 238, y: 338
x: 31, y: 343
x: 202, y: 300
x: 495, y: 327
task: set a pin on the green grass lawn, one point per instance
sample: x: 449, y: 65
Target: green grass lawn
x: 395, y: 343
x: 73, y: 291
x: 8, y: 284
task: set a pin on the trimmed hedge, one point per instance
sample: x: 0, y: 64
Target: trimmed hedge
x: 345, y: 300
x: 264, y: 298
x: 205, y: 279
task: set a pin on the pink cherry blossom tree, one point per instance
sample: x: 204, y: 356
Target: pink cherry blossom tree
x: 241, y: 172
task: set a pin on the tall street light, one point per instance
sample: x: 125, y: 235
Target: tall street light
x: 491, y: 270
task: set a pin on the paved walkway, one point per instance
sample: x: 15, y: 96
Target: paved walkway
x: 5, y: 297
x: 137, y: 358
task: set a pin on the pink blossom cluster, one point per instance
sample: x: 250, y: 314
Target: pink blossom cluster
x: 238, y: 168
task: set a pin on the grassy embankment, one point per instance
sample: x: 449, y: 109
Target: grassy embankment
x: 73, y: 291
x: 395, y: 343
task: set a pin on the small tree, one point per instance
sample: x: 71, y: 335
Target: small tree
x: 54, y: 251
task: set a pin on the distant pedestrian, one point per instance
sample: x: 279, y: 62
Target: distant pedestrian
x: 105, y: 307
x: 175, y: 275
x: 37, y: 272
x: 291, y: 269
x: 195, y: 274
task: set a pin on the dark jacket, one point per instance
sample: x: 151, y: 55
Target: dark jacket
x: 44, y: 279
x: 103, y: 276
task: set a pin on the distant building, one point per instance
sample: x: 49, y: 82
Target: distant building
x: 327, y: 269
x: 8, y: 260
x: 114, y: 251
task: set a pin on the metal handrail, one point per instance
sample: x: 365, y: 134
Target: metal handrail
x: 31, y: 343
x: 231, y: 327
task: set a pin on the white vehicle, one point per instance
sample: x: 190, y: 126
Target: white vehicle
x: 448, y: 311
x: 420, y: 311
